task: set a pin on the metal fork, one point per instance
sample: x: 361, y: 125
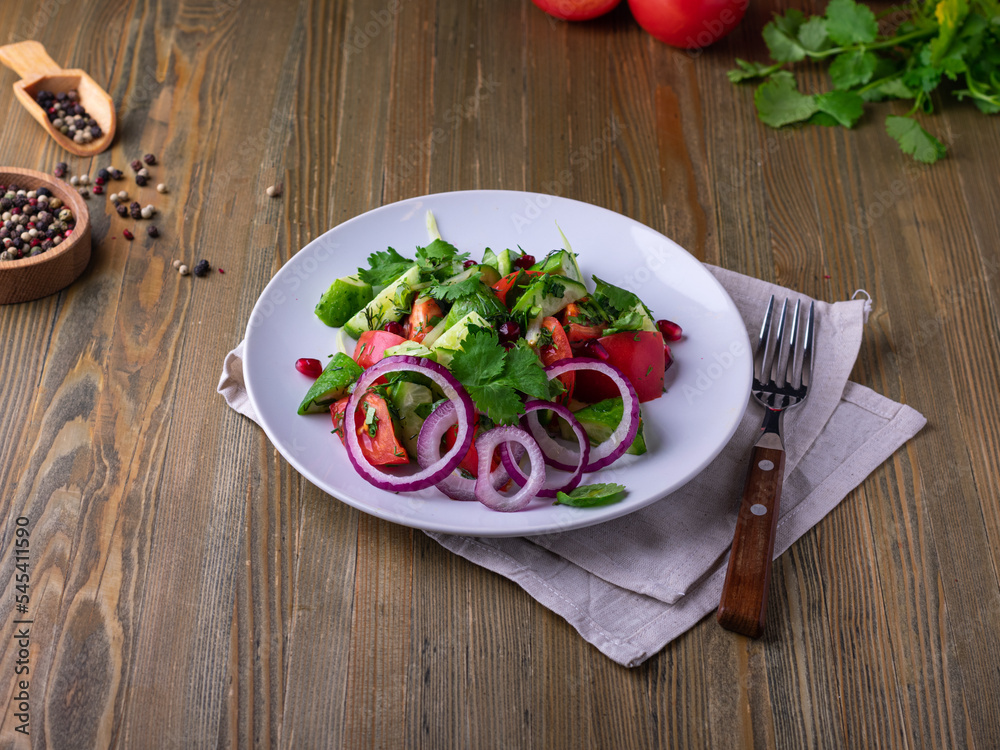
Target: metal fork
x: 782, y: 372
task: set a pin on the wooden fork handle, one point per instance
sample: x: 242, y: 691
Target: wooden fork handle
x: 28, y: 59
x: 744, y: 593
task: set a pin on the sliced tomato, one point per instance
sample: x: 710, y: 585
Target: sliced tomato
x: 372, y: 345
x: 639, y: 355
x: 559, y: 349
x: 378, y: 441
x: 470, y: 462
x: 577, y: 332
x: 516, y: 280
x: 426, y: 314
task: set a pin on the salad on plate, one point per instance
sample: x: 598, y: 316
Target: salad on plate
x: 495, y: 380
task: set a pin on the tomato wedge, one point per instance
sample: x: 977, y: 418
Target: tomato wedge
x: 378, y: 441
x: 470, y: 462
x: 559, y: 349
x: 372, y: 345
x: 426, y: 314
x: 639, y: 355
x: 577, y: 331
x: 519, y: 278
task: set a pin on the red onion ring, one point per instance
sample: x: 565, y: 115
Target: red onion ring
x: 485, y: 492
x: 429, y: 475
x: 617, y: 443
x: 581, y: 436
x: 454, y: 485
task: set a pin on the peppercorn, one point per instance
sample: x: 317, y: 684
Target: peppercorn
x: 122, y: 195
x: 152, y: 231
x: 122, y: 210
x: 85, y: 179
x: 136, y: 165
x: 140, y: 180
x: 183, y: 270
x: 128, y: 235
x: 98, y: 189
x: 61, y: 169
x: 103, y: 174
x: 161, y: 188
x: 74, y: 180
x: 274, y: 191
x: 149, y: 159
x: 135, y: 210
x: 177, y: 263
x: 202, y: 268
x: 116, y: 174
x: 83, y: 192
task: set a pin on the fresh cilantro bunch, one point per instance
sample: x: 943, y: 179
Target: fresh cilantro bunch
x: 495, y: 377
x: 953, y: 41
x: 622, y: 310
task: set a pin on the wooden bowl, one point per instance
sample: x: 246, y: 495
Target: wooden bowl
x: 46, y: 273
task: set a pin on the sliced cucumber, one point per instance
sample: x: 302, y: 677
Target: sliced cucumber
x: 409, y: 349
x: 391, y: 303
x: 451, y: 340
x: 600, y: 420
x: 406, y: 397
x: 490, y: 259
x: 331, y: 385
x: 344, y: 298
x: 504, y: 263
x: 560, y: 263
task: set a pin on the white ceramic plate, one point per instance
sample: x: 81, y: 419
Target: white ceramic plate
x: 708, y: 384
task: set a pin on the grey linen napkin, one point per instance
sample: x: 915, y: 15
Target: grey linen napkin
x: 631, y: 585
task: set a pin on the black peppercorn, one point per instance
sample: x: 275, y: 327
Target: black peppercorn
x: 152, y: 231
x: 149, y: 159
x: 122, y: 210
x: 201, y: 268
x: 103, y: 174
x: 140, y: 180
x: 61, y: 169
x: 135, y: 210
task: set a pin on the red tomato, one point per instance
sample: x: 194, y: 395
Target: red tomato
x: 425, y: 315
x: 381, y: 449
x: 688, y: 24
x: 557, y: 350
x: 576, y: 10
x: 519, y: 278
x: 372, y: 345
x: 639, y: 355
x: 577, y: 331
x: 471, y: 460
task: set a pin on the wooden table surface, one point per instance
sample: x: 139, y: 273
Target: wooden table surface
x: 189, y: 589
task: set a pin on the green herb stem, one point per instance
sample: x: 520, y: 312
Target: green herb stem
x: 893, y: 41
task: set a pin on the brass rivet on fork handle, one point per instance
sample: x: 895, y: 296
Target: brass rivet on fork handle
x: 782, y: 372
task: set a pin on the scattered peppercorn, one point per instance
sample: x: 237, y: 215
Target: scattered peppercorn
x: 116, y: 174
x: 177, y: 263
x: 83, y: 192
x: 98, y: 189
x: 74, y: 180
x: 128, y: 235
x: 202, y: 268
x: 61, y: 169
x: 122, y: 210
x: 147, y: 212
x: 143, y: 172
x: 161, y: 188
x: 103, y: 174
x: 68, y: 116
x: 140, y: 180
x: 183, y: 270
x: 149, y: 159
x: 122, y: 195
x: 136, y: 165
x: 85, y: 179
x: 152, y: 231
x: 274, y: 191
x: 135, y: 210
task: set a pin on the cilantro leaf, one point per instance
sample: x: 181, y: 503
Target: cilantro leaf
x: 480, y: 360
x: 914, y: 140
x: 386, y: 267
x: 781, y: 35
x: 456, y: 290
x: 746, y: 71
x: 950, y: 14
x: 812, y: 35
x: 499, y: 400
x: 523, y: 368
x: 617, y: 298
x: 893, y: 88
x: 779, y: 101
x: 436, y: 253
x: 848, y: 22
x: 592, y: 495
x: 846, y: 107
x: 850, y: 69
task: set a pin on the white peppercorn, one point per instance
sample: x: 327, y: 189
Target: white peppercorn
x: 161, y: 188
x: 183, y: 270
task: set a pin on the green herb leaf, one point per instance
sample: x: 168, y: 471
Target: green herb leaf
x: 914, y: 140
x: 457, y: 290
x: 813, y: 36
x: 591, y: 495
x: 523, y: 370
x: 780, y: 103
x: 781, y: 35
x: 386, y: 267
x: 894, y: 88
x: 848, y: 22
x: 846, y: 107
x: 850, y: 69
x: 746, y: 71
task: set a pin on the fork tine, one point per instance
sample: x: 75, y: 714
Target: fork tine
x: 794, y: 367
x: 809, y: 347
x: 771, y: 356
x: 765, y: 327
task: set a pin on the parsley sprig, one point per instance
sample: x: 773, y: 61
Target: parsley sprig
x: 957, y: 41
x: 496, y: 377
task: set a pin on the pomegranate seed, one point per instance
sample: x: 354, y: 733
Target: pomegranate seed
x: 668, y: 357
x: 525, y: 261
x: 509, y: 332
x: 128, y: 235
x: 313, y: 368
x: 671, y: 331
x: 595, y: 350
x: 394, y: 327
x: 469, y: 263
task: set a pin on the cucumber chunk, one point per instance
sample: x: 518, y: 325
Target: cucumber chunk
x: 332, y: 384
x: 345, y: 297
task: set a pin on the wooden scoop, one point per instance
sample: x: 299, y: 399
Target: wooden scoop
x: 39, y: 72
